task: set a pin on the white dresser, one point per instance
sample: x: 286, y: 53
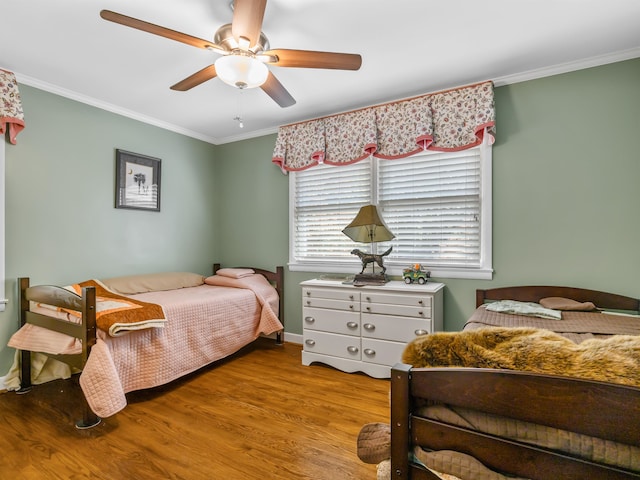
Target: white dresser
x: 366, y: 328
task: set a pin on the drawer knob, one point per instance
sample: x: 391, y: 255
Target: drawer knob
x: 370, y: 352
x: 420, y: 302
x: 368, y: 309
x: 420, y: 332
x: 308, y: 293
x: 420, y: 313
x: 350, y: 297
x: 368, y: 299
x: 369, y: 326
x: 310, y: 342
x: 352, y: 349
x: 309, y: 319
x: 352, y: 325
x: 308, y: 302
x: 351, y: 307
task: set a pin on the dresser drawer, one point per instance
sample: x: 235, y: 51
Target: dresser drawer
x: 347, y: 323
x: 414, y: 300
x: 366, y: 328
x: 335, y: 294
x: 401, y: 310
x: 381, y: 351
x: 331, y: 304
x: 397, y: 329
x: 332, y: 344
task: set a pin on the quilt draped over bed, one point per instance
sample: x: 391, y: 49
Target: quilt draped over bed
x: 117, y: 314
x: 575, y: 325
x: 205, y: 324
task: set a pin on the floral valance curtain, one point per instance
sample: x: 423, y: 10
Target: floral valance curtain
x: 445, y: 121
x: 11, y: 114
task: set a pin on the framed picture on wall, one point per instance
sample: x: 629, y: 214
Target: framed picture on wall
x: 137, y: 181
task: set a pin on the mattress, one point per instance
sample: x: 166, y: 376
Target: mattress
x: 577, y: 326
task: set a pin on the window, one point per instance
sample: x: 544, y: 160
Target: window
x: 438, y: 205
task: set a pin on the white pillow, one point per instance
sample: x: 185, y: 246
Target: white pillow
x: 235, y: 272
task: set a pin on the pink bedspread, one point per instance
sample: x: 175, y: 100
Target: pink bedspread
x: 204, y: 324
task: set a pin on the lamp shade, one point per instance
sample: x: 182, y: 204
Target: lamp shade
x: 368, y: 227
x: 241, y: 71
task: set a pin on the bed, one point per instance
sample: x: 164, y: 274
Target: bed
x: 487, y: 423
x: 191, y: 321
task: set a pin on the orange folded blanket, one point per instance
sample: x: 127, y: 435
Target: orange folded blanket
x: 117, y: 314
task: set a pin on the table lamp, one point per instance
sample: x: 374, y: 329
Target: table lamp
x: 368, y: 227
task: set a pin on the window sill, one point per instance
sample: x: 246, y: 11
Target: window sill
x: 351, y: 268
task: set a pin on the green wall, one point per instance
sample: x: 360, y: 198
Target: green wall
x: 565, y: 196
x: 61, y: 224
x: 565, y: 191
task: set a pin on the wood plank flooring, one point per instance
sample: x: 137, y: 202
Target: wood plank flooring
x: 257, y: 415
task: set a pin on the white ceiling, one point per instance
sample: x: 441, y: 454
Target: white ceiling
x: 408, y: 47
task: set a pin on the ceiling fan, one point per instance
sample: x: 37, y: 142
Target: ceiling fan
x: 245, y: 52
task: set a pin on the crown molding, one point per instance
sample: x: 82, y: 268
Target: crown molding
x: 498, y: 82
x: 567, y: 67
x: 109, y: 107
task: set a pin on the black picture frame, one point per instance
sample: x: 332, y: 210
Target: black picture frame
x: 137, y: 181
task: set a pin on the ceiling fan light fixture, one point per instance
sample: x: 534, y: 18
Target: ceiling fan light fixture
x: 241, y: 71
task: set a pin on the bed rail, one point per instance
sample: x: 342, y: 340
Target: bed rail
x: 604, y: 410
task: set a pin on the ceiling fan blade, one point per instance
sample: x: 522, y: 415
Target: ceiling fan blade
x: 311, y: 59
x: 247, y: 20
x: 196, y: 79
x: 158, y: 30
x: 277, y: 92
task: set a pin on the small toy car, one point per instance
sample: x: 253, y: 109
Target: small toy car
x: 416, y: 274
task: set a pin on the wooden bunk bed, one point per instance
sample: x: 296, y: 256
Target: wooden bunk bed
x: 86, y: 331
x: 593, y: 411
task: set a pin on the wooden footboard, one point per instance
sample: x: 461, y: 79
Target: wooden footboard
x: 603, y: 410
x: 85, y: 331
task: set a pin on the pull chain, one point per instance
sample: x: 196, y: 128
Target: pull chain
x: 238, y: 118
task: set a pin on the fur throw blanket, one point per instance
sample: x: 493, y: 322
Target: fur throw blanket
x: 615, y: 359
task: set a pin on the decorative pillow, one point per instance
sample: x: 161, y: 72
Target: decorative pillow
x: 523, y: 308
x: 152, y: 282
x: 560, y: 303
x: 235, y: 272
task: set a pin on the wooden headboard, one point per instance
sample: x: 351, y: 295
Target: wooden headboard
x: 535, y: 293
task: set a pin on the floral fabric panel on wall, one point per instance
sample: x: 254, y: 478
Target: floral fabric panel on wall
x: 445, y: 121
x: 11, y: 114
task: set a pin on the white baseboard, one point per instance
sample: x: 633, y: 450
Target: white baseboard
x: 288, y: 337
x: 293, y: 338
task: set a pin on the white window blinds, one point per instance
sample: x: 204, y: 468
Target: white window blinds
x: 438, y: 205
x: 432, y: 204
x: 326, y: 199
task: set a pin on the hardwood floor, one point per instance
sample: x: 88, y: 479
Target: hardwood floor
x: 258, y: 415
